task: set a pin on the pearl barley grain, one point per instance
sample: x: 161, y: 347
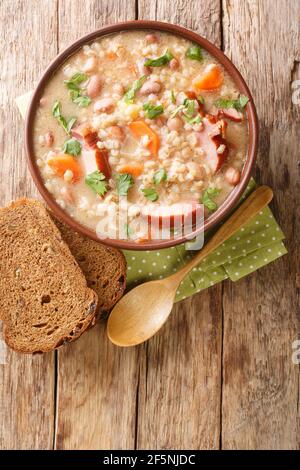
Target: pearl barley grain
x: 68, y: 176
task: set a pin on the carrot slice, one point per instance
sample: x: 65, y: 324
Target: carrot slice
x: 211, y: 79
x: 63, y: 162
x: 111, y: 55
x: 134, y: 170
x: 139, y: 128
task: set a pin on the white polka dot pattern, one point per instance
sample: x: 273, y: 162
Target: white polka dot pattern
x: 257, y: 243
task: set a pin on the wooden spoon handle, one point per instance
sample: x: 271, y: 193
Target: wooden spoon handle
x: 252, y: 205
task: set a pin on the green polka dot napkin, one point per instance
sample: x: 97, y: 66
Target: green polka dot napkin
x: 255, y: 245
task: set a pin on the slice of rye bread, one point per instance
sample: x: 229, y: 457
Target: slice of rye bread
x: 44, y: 298
x: 104, y: 267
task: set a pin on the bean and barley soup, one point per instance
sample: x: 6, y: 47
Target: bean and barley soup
x: 142, y: 120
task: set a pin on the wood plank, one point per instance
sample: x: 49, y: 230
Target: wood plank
x: 202, y: 17
x: 260, y: 382
x: 180, y: 369
x: 26, y: 382
x: 97, y: 383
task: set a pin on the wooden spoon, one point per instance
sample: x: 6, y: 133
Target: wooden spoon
x: 144, y: 310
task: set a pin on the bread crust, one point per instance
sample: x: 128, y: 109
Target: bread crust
x: 44, y: 298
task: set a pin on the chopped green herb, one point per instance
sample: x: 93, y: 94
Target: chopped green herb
x: 163, y: 60
x: 129, y: 231
x: 160, y: 176
x: 173, y: 98
x: 96, y: 181
x: 75, y: 92
x: 195, y: 120
x: 177, y: 110
x: 124, y: 182
x: 56, y: 109
x: 238, y: 104
x: 150, y: 193
x: 82, y: 101
x: 65, y: 124
x: 152, y: 111
x: 74, y: 81
x: 194, y: 53
x: 207, y: 198
x: 189, y: 106
x: 243, y: 100
x: 130, y: 94
x: 70, y: 124
x: 200, y: 99
x: 73, y: 147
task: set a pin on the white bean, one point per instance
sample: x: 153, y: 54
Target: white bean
x: 151, y: 38
x: 106, y: 105
x: 174, y: 124
x: 232, y: 175
x: 150, y: 87
x: 94, y: 86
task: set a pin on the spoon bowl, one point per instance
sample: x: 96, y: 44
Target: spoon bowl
x: 144, y: 310
x: 136, y: 326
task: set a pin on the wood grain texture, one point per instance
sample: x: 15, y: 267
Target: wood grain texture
x: 202, y: 16
x: 180, y: 369
x: 261, y: 312
x: 26, y: 382
x: 97, y: 383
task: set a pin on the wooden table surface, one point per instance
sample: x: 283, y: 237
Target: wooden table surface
x: 220, y: 374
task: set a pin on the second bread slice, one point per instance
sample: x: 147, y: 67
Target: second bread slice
x: 104, y: 267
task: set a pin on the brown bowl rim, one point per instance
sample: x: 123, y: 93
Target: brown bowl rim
x: 235, y: 194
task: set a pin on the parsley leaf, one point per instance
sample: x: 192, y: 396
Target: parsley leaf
x: 75, y: 80
x: 159, y: 176
x: 65, y: 124
x: 73, y: 147
x: 150, y: 193
x: 70, y: 124
x: 96, y: 181
x: 177, y: 110
x: 124, y: 182
x: 130, y: 94
x: 195, y: 120
x: 189, y: 106
x: 207, y: 198
x: 56, y: 109
x: 82, y: 101
x: 243, y: 100
x: 162, y: 60
x: 173, y: 99
x: 153, y: 111
x: 75, y: 92
x: 194, y: 53
x: 238, y: 104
